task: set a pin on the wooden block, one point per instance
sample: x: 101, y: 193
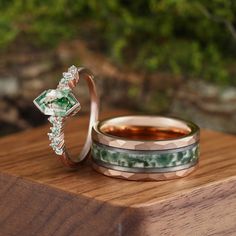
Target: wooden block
x: 39, y: 197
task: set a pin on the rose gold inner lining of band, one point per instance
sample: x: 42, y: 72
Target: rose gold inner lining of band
x: 148, y: 133
x: 145, y: 132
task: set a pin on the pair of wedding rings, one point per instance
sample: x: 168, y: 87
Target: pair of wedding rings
x: 128, y: 147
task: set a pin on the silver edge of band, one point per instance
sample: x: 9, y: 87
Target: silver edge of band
x: 123, y: 150
x: 145, y: 170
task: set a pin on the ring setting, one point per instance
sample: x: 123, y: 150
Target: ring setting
x: 60, y: 103
x: 145, y: 147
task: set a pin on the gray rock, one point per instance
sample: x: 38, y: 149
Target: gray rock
x: 228, y: 95
x: 36, y: 69
x: 9, y: 86
x: 207, y: 105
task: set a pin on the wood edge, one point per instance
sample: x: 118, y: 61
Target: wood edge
x: 169, y: 197
x: 97, y: 217
x: 206, y: 211
x: 196, y: 191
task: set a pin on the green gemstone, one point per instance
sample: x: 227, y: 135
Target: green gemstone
x: 145, y: 159
x: 57, y: 102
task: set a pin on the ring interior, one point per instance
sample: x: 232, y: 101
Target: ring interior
x: 148, y: 128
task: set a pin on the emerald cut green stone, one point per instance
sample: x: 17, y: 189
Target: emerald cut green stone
x: 57, y: 102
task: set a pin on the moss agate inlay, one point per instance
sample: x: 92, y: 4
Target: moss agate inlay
x: 145, y: 159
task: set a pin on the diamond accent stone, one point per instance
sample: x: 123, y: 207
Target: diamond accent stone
x: 55, y: 131
x: 55, y: 119
x: 73, y: 70
x: 58, y: 151
x: 50, y: 136
x: 56, y: 136
x: 67, y: 76
x: 63, y: 81
x: 56, y: 140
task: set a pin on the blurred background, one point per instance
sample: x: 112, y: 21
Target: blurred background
x: 172, y: 57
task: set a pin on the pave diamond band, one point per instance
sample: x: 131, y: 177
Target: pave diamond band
x: 61, y: 103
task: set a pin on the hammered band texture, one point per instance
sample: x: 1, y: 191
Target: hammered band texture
x: 127, y: 156
x: 144, y: 176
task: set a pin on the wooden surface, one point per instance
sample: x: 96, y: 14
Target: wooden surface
x: 40, y: 197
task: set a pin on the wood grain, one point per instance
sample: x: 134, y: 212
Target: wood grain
x: 40, y: 197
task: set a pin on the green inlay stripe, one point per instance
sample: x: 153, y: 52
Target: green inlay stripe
x: 145, y: 159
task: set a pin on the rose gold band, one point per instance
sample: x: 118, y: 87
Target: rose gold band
x: 145, y: 147
x: 187, y: 133
x: 143, y: 176
x: 87, y: 75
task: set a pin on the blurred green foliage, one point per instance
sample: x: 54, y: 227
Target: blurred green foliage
x: 192, y: 39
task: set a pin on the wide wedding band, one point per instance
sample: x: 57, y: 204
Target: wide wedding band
x: 145, y: 147
x: 60, y: 103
